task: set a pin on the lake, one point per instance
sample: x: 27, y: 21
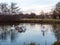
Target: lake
x: 40, y: 34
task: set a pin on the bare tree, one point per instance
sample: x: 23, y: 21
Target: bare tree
x: 9, y: 10
x: 3, y: 8
x: 42, y: 14
x: 56, y: 11
x: 14, y: 9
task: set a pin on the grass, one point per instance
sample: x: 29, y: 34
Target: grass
x: 34, y: 20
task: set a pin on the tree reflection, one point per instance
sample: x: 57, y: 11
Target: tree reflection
x: 6, y: 32
x: 56, y: 30
x: 17, y: 29
x: 3, y: 36
x: 3, y: 33
x: 12, y: 36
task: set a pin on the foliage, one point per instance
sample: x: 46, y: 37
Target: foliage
x: 57, y: 43
x: 56, y: 12
x: 8, y: 9
x: 32, y: 43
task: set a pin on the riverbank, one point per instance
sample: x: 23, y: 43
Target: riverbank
x: 32, y: 20
x: 53, y: 21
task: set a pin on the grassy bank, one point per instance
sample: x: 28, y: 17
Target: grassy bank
x: 27, y: 20
x: 32, y: 20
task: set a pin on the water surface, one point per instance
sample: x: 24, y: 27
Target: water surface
x: 43, y: 34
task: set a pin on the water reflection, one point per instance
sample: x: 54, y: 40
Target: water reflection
x: 3, y: 36
x: 43, y: 30
x: 8, y: 31
x: 56, y: 29
x: 25, y: 34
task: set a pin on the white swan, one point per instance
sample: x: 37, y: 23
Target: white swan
x: 13, y: 27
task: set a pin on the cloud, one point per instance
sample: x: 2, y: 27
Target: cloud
x: 37, y: 8
x: 31, y: 5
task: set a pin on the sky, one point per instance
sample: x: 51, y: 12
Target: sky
x: 33, y: 5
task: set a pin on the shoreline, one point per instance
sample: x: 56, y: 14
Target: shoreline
x: 50, y: 21
x: 26, y: 20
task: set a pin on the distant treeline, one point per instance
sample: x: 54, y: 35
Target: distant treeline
x: 12, y: 13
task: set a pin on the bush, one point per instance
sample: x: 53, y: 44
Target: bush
x: 57, y: 43
x: 32, y: 43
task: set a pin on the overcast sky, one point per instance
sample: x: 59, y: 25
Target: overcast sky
x: 33, y: 5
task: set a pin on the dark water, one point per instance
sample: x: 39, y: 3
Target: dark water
x: 40, y: 34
